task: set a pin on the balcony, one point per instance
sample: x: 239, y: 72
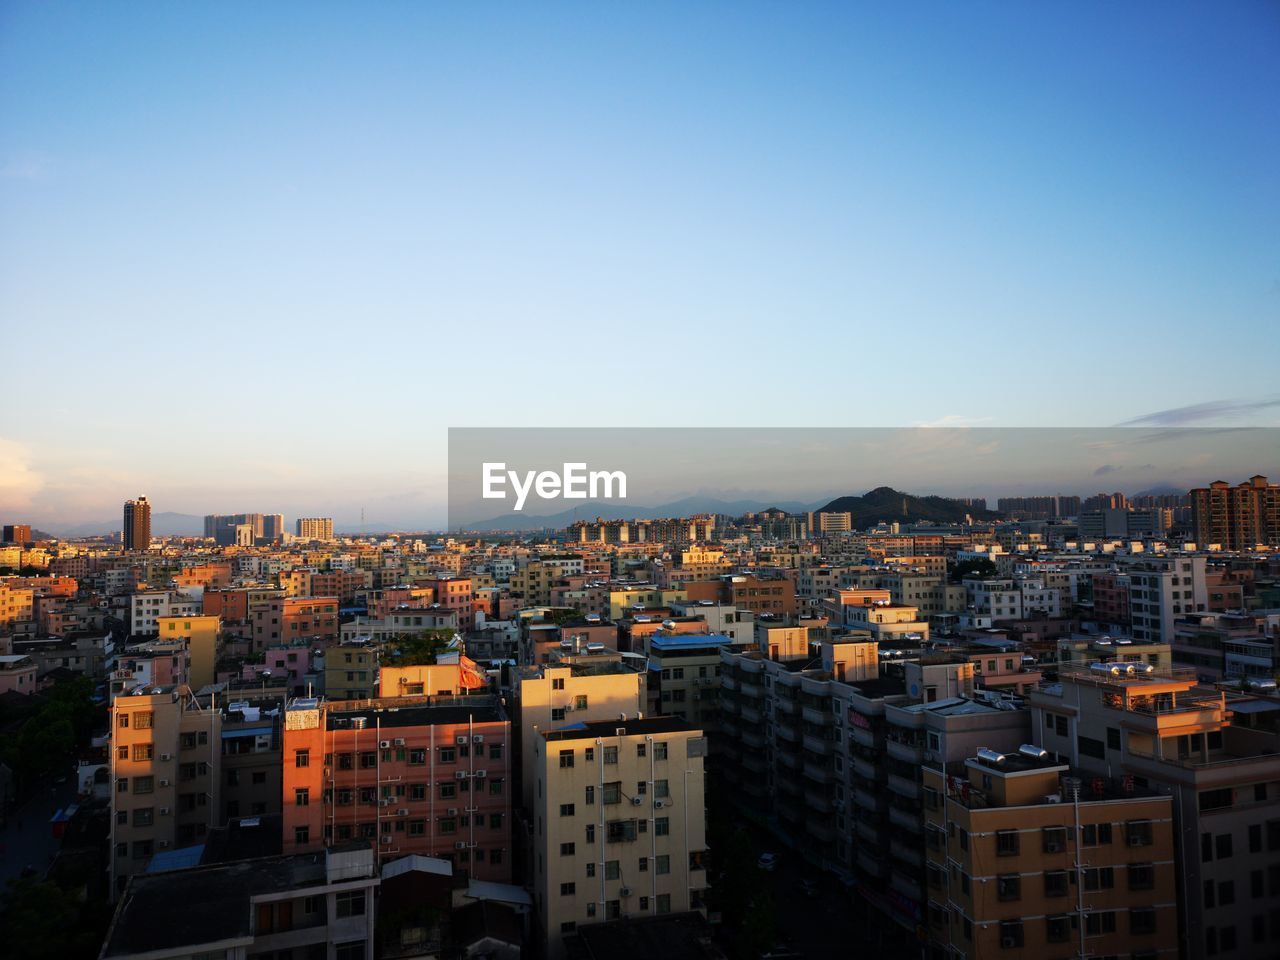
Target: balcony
x: 820, y: 773
x: 903, y: 750
x: 907, y: 852
x: 818, y: 800
x: 750, y: 712
x: 863, y: 736
x: 904, y: 787
x: 871, y: 864
x: 786, y: 731
x: 868, y: 828
x: 867, y: 800
x: 817, y: 716
x: 728, y: 682
x: 789, y: 785
x: 752, y: 737
x: 751, y: 688
x: 818, y: 745
x: 905, y: 819
x: 728, y: 705
x: 821, y: 830
x: 864, y: 768
x: 754, y: 761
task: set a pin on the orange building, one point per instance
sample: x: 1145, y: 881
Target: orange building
x: 285, y: 619
x: 453, y: 593
x: 412, y: 777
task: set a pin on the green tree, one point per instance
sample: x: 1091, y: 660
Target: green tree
x: 41, y: 921
x: 977, y: 567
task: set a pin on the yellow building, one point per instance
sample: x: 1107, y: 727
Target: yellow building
x: 436, y: 679
x: 200, y: 634
x: 619, y: 823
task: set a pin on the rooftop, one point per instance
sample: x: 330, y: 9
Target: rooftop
x: 631, y: 727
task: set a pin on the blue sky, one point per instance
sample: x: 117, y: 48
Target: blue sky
x: 259, y: 257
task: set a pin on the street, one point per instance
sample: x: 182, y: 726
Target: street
x: 27, y: 838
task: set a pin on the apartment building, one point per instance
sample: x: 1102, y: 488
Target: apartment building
x: 1239, y: 517
x: 314, y: 528
x: 411, y: 777
x: 251, y: 760
x: 1161, y: 590
x: 684, y: 673
x: 165, y: 775
x: 286, y: 619
x: 315, y: 905
x: 570, y: 690
x: 1168, y: 734
x: 147, y: 607
x: 620, y: 825
x: 760, y: 595
x: 351, y: 671
x: 200, y: 634
x: 1227, y: 646
x: 1024, y: 859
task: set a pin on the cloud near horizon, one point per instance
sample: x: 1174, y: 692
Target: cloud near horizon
x: 1201, y: 412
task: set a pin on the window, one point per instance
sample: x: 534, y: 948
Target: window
x: 591, y: 833
x: 566, y: 809
x: 661, y: 826
x: 1055, y: 883
x: 1099, y: 878
x: 1142, y: 920
x: 301, y: 758
x: 566, y: 759
x: 612, y: 793
x: 1058, y: 928
x: 1095, y: 834
x: 557, y: 714
x: 640, y: 749
x: 144, y: 816
x: 301, y: 797
x: 1091, y: 747
x: 350, y: 903
x: 418, y: 758
x: 660, y: 789
x: 612, y: 870
x: 1009, y: 887
x: 302, y: 835
x: 1101, y: 922
x: 495, y: 751
x: 1222, y: 845
x: 1113, y: 738
x: 1010, y: 934
x: 1138, y: 833
x: 352, y: 950
x: 1054, y: 839
x: 1142, y: 876
x: 568, y: 889
x: 1226, y: 893
x: 1006, y: 843
x: 664, y: 903
x: 579, y: 703
x: 448, y: 755
x: 610, y: 755
x: 566, y: 849
x: 144, y: 784
x: 122, y: 720
x: 644, y: 864
x: 143, y: 720
x: 142, y: 752
x: 590, y: 795
x: 557, y: 683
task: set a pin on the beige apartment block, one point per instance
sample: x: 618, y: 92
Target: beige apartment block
x: 620, y: 824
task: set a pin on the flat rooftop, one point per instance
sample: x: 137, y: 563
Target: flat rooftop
x: 636, y: 726
x: 207, y: 904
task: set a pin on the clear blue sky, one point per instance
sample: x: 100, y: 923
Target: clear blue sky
x: 259, y: 256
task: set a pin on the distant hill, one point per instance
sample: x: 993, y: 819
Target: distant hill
x: 623, y: 511
x: 167, y: 524
x: 886, y: 505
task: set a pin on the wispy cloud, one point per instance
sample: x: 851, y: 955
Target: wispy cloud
x: 1107, y: 468
x: 1212, y: 410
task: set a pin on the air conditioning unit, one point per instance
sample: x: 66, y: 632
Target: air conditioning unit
x: 460, y: 775
x: 164, y: 783
x: 481, y: 774
x: 460, y: 740
x: 384, y: 744
x: 384, y: 802
x: 1053, y: 846
x: 659, y: 804
x: 163, y: 844
x: 636, y: 801
x: 452, y: 812
x: 402, y: 812
x: 166, y: 757
x: 386, y: 838
x: 480, y: 739
x: 399, y: 741
x: 164, y: 811
x: 1008, y: 941
x: 460, y: 845
x: 624, y: 892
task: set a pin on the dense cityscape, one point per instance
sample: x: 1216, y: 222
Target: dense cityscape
x: 1051, y: 732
